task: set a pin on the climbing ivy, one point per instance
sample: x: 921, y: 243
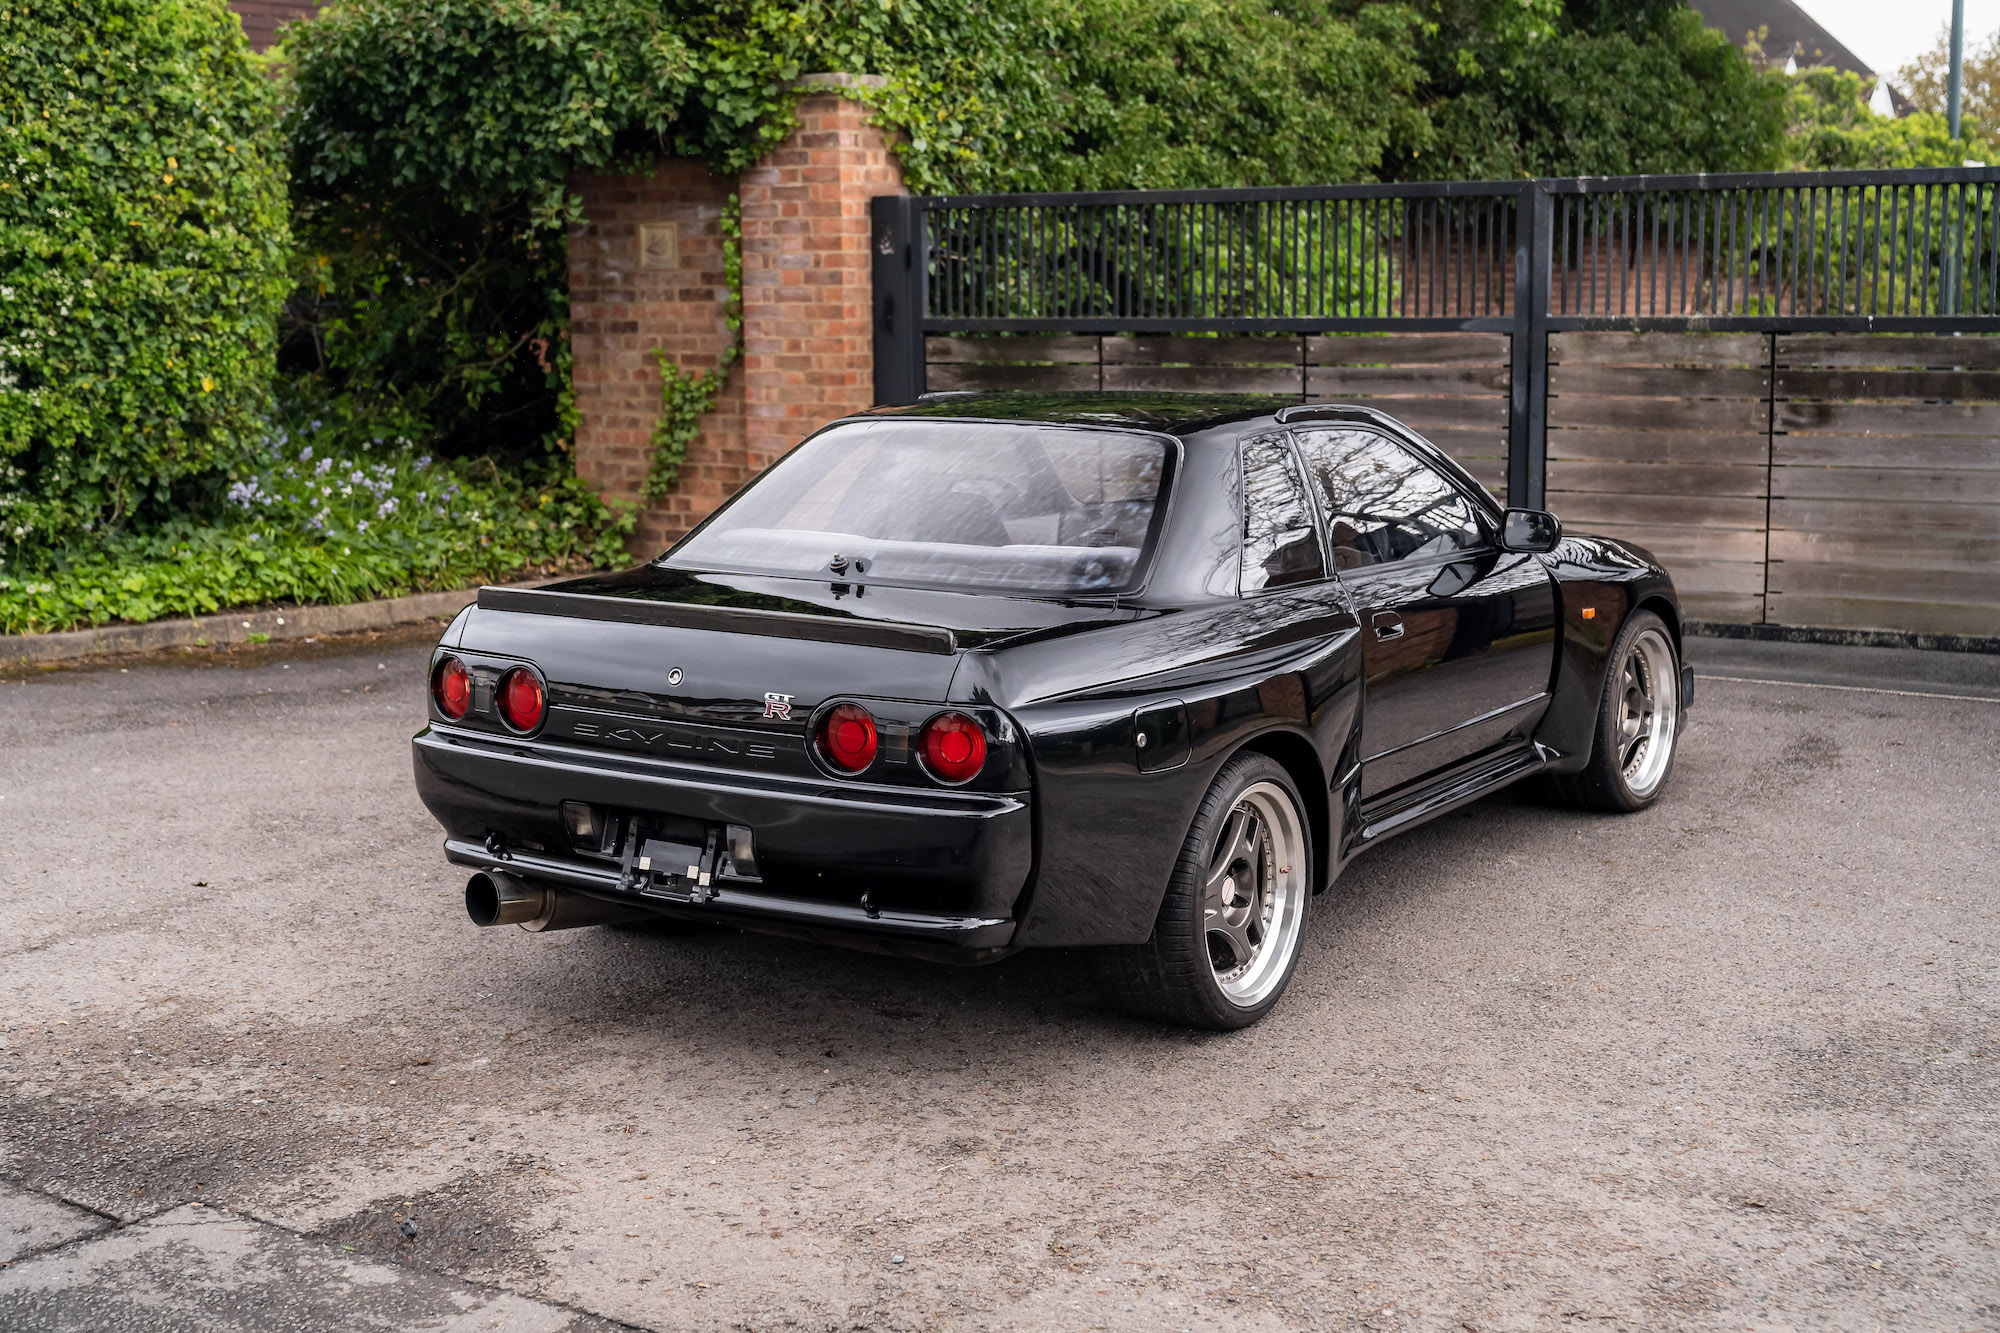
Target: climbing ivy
x: 686, y: 396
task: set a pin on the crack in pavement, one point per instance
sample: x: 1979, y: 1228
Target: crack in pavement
x: 220, y: 1270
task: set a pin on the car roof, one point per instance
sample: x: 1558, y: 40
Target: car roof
x: 1172, y: 413
x: 1180, y: 414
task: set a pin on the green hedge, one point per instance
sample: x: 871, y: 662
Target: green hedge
x: 143, y: 245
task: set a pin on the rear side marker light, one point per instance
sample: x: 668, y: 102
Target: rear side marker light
x: 521, y: 699
x: 847, y: 738
x: 954, y: 747
x: 451, y: 686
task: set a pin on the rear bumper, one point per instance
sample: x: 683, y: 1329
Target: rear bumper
x: 945, y: 868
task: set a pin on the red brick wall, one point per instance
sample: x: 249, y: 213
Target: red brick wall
x: 621, y: 311
x: 808, y: 339
x: 808, y: 303
x: 262, y: 17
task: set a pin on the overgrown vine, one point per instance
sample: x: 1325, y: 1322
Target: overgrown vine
x: 686, y: 396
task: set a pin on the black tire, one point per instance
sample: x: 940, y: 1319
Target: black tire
x: 1619, y: 778
x: 1173, y: 977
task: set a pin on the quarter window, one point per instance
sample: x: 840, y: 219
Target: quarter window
x: 1383, y: 502
x: 1280, y: 546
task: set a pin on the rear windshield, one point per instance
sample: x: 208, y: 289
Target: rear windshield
x: 948, y: 505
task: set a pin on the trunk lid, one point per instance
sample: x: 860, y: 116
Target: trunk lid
x: 728, y: 670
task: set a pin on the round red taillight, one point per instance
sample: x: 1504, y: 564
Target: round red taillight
x: 521, y: 699
x: 954, y: 747
x: 847, y: 737
x: 451, y: 686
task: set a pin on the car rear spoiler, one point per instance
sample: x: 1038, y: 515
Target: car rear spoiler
x: 728, y: 619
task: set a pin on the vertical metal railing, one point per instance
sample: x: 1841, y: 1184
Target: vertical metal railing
x: 1221, y: 260
x: 1826, y: 250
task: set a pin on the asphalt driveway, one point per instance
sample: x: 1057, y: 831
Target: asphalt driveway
x: 1731, y: 1062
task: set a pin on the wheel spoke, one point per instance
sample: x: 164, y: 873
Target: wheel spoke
x: 1218, y: 889
x: 1235, y: 940
x: 1249, y: 839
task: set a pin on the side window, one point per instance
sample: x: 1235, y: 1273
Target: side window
x: 1280, y: 545
x: 1383, y: 502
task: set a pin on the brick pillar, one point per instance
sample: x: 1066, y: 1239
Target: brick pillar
x: 808, y: 313
x: 807, y: 305
x: 623, y: 305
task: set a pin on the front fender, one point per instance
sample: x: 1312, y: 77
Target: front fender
x: 1602, y: 582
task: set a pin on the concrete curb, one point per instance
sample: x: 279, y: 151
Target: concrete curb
x: 285, y: 622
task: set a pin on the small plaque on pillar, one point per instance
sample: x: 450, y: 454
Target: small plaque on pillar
x: 659, y: 245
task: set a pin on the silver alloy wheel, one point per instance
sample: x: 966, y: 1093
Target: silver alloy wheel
x: 1253, y: 898
x: 1649, y: 688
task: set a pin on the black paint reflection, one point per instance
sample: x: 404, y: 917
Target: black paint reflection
x: 1280, y: 547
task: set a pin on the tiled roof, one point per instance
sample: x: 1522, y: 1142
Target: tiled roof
x: 1793, y: 32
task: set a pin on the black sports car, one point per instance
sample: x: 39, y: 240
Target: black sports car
x: 988, y: 673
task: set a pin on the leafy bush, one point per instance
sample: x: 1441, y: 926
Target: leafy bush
x: 1832, y: 128
x: 429, y: 143
x: 1597, y: 87
x: 322, y: 520
x: 1189, y: 93
x: 142, y: 257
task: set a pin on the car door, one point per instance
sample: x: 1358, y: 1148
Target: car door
x: 1458, y: 635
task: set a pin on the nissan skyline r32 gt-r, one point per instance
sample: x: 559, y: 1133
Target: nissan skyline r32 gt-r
x: 990, y: 673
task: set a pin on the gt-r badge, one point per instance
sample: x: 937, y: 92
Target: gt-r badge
x: 778, y: 706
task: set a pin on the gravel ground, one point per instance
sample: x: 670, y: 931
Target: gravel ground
x: 1727, y: 1063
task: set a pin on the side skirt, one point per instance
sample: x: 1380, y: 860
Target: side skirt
x: 1406, y: 810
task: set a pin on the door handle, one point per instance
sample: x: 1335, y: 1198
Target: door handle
x: 1388, y: 625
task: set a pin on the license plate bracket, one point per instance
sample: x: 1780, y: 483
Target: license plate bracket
x: 659, y: 866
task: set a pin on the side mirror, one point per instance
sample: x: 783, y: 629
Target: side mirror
x: 1531, y: 530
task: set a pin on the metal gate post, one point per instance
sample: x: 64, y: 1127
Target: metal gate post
x: 1528, y: 415
x: 898, y: 247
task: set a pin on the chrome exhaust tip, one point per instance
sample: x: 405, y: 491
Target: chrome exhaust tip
x: 495, y: 898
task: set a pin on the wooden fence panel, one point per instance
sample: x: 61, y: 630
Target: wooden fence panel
x: 1452, y: 389
x: 1172, y: 351
x: 1885, y: 483
x: 998, y: 364
x: 1664, y: 439
x: 1203, y: 365
x: 1845, y: 481
x: 992, y: 376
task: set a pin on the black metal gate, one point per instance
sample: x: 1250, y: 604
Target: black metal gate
x: 1776, y: 254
